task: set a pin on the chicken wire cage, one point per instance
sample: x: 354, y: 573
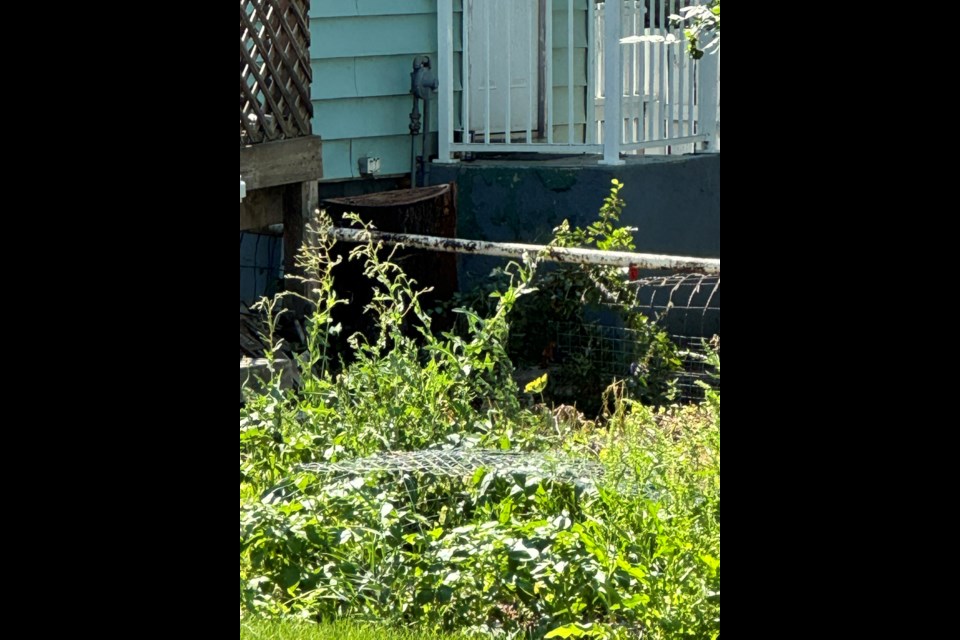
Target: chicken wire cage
x: 686, y: 307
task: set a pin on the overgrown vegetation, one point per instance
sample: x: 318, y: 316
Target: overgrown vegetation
x: 701, y: 23
x: 285, y: 629
x: 631, y: 547
x: 570, y: 300
x: 704, y: 23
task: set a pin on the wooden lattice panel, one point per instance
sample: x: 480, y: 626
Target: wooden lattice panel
x: 274, y: 70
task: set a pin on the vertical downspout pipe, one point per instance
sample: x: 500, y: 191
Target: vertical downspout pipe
x: 425, y: 147
x: 414, y: 130
x: 422, y: 82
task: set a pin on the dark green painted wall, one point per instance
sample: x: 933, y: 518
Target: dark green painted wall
x: 674, y: 201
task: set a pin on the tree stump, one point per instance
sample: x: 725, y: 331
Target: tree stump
x: 428, y: 211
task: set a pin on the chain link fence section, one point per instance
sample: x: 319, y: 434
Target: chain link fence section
x: 687, y: 307
x: 458, y: 463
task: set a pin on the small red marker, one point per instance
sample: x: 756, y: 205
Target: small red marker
x: 634, y: 272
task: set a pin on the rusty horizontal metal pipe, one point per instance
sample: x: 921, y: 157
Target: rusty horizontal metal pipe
x: 570, y: 255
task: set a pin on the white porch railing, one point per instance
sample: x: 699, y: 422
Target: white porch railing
x: 534, y: 76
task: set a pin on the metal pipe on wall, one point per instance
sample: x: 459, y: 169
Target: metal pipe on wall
x: 414, y: 130
x: 422, y: 82
x: 425, y: 145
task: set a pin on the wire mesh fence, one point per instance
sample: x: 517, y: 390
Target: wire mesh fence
x: 687, y: 307
x: 462, y: 463
x: 695, y: 368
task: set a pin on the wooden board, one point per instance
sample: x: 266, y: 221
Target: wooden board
x: 276, y: 163
x: 261, y: 208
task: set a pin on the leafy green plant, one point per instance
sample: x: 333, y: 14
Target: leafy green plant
x: 704, y: 24
x: 704, y: 21
x: 501, y: 554
x: 316, y: 263
x: 504, y: 553
x: 572, y: 298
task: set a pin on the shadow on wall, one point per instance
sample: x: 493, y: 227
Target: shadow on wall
x: 261, y: 265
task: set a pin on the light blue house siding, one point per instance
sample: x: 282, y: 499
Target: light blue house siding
x: 362, y: 53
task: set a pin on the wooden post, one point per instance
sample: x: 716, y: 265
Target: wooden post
x: 299, y: 204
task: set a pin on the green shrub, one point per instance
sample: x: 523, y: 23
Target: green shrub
x: 494, y: 553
